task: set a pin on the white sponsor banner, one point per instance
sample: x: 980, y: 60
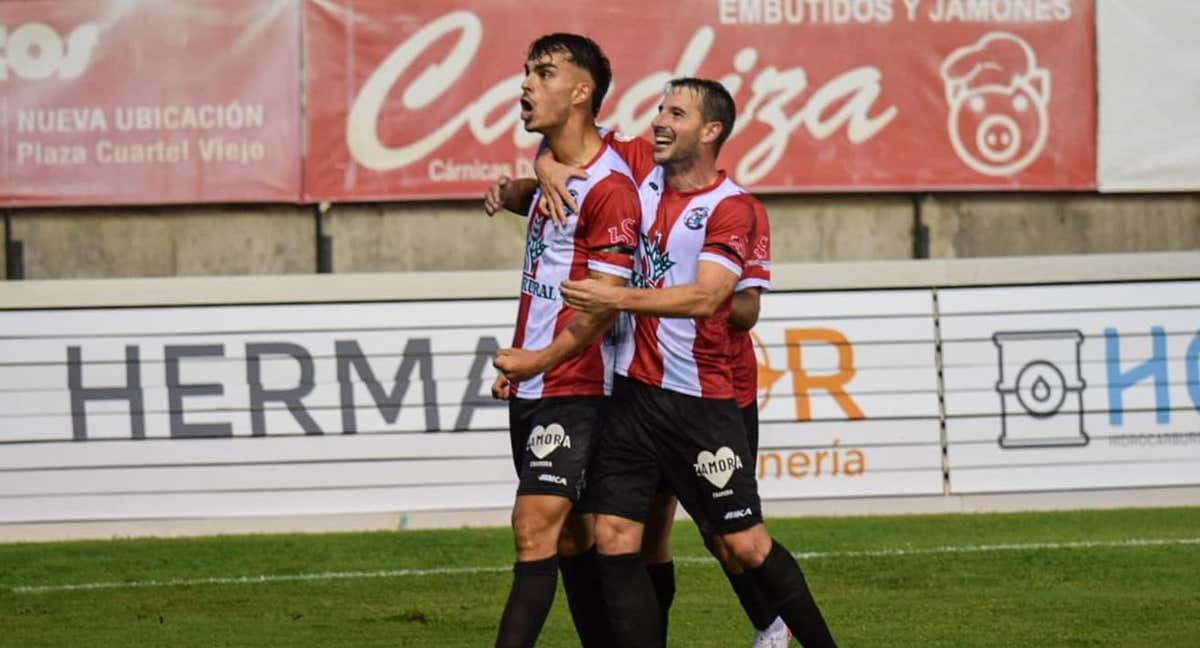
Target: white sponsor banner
x: 1072, y: 387
x: 848, y: 395
x: 254, y: 410
x: 346, y: 408
x: 1149, y: 92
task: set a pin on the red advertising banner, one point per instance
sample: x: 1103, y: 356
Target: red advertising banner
x: 419, y: 100
x: 118, y: 102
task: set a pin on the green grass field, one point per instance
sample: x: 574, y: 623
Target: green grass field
x: 1096, y: 578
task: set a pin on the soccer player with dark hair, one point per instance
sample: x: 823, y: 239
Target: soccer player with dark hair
x: 555, y: 374
x: 673, y: 415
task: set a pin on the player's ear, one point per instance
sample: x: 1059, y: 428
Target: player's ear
x: 711, y: 132
x: 582, y: 94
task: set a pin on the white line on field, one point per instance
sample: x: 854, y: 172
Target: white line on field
x: 440, y: 571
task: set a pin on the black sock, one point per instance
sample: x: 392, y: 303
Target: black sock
x: 662, y: 577
x: 529, y: 602
x: 629, y: 598
x: 753, y: 601
x: 780, y: 579
x: 581, y: 581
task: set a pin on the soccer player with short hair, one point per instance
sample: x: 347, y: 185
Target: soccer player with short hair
x: 555, y: 374
x: 673, y: 416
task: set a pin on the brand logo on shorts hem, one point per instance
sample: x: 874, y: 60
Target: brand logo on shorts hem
x: 553, y: 479
x: 734, y: 515
x: 544, y: 440
x: 717, y: 467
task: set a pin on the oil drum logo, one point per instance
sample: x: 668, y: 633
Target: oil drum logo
x: 997, y: 96
x: 1041, y: 388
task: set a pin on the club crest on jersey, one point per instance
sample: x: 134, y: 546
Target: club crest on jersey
x: 695, y: 218
x: 655, y: 262
x: 574, y: 196
x: 717, y: 467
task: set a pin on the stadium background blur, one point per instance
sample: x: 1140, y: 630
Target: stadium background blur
x: 293, y: 333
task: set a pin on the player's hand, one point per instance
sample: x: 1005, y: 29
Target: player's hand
x: 493, y: 198
x: 591, y: 296
x: 553, y: 178
x: 501, y: 388
x: 518, y: 364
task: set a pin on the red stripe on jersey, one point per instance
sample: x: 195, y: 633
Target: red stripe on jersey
x: 712, y: 338
x: 745, y: 368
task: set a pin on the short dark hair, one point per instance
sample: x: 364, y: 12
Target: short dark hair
x: 582, y: 51
x: 716, y: 104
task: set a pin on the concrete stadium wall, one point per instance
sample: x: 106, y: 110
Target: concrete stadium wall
x: 1033, y: 224
x: 165, y: 241
x: 454, y: 235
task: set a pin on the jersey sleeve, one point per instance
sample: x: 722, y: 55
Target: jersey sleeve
x: 610, y: 217
x: 635, y: 151
x: 756, y: 271
x: 728, y: 235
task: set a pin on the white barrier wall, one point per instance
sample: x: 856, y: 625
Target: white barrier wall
x: 351, y: 408
x: 1070, y: 387
x: 251, y: 410
x: 848, y: 395
x: 334, y: 407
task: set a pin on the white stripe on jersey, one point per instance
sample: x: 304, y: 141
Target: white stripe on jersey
x: 752, y: 283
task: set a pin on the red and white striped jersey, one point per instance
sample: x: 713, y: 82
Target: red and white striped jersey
x: 678, y: 231
x: 601, y: 237
x: 756, y: 273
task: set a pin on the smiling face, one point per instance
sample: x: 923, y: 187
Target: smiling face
x: 553, y: 85
x: 679, y: 128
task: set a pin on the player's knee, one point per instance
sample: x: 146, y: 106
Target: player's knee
x: 577, y: 536
x: 749, y: 548
x: 716, y: 547
x: 657, y: 549
x: 535, y: 537
x: 616, y: 536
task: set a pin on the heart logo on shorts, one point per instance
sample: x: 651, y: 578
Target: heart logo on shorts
x: 717, y: 468
x: 544, y: 440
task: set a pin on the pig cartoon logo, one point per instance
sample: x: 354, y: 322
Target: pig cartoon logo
x: 997, y: 96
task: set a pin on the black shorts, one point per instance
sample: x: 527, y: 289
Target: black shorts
x: 750, y: 424
x: 696, y: 445
x: 553, y: 440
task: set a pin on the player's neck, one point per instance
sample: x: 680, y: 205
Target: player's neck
x: 575, y: 143
x: 691, y: 175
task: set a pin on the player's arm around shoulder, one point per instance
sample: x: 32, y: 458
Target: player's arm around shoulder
x: 514, y: 195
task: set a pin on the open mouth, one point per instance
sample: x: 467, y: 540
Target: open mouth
x: 662, y: 139
x: 526, y: 109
